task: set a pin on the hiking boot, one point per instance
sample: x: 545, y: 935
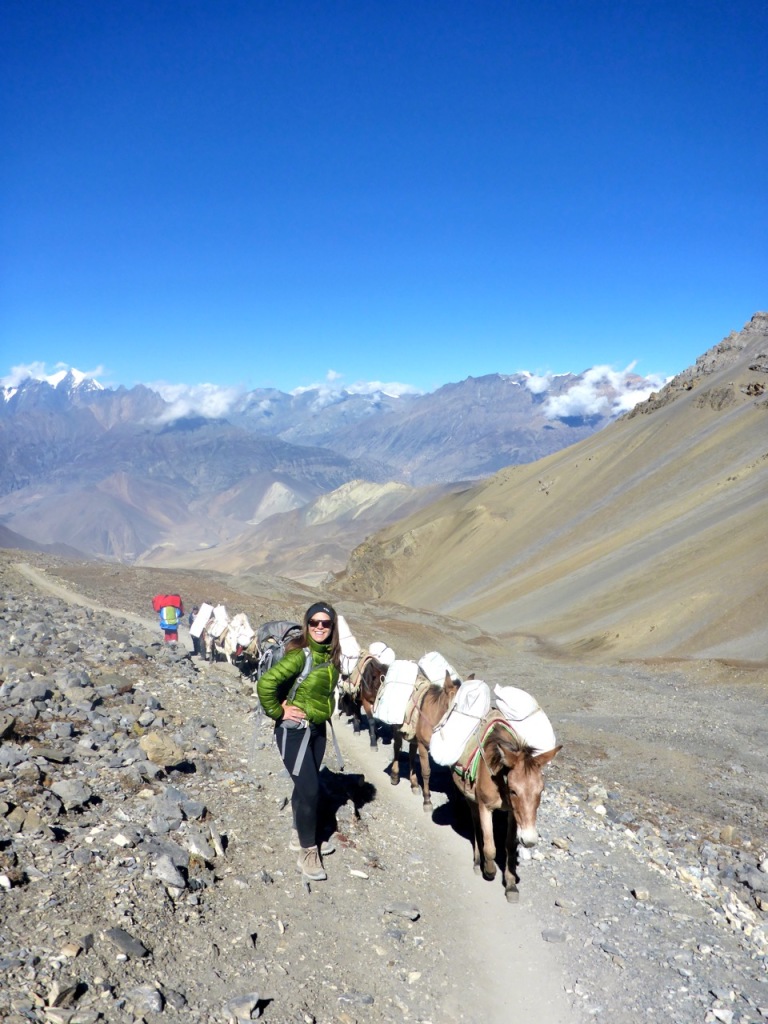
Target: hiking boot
x: 326, y: 847
x: 310, y: 865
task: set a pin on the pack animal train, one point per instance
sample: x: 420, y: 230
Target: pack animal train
x: 496, y: 754
x: 497, y: 765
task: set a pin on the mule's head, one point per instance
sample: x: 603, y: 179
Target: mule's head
x: 371, y: 679
x: 518, y: 773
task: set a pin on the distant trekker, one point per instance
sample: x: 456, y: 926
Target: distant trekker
x: 195, y: 639
x: 170, y: 611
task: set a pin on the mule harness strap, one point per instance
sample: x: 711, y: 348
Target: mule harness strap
x: 493, y: 721
x: 418, y: 701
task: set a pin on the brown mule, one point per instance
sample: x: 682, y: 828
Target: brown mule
x: 429, y: 704
x: 369, y: 674
x: 509, y: 778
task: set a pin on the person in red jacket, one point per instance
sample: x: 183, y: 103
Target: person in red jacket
x: 170, y: 610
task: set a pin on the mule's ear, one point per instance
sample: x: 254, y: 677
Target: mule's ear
x: 547, y: 756
x: 494, y: 758
x: 498, y: 757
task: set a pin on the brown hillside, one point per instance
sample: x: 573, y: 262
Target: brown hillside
x: 646, y: 539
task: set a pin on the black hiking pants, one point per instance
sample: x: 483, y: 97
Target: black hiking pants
x: 302, y: 751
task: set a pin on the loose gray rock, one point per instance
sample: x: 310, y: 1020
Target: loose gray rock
x: 72, y: 793
x: 409, y: 910
x: 125, y: 942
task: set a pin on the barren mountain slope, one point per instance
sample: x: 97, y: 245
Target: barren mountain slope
x: 646, y: 539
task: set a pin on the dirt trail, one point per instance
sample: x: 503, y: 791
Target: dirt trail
x: 66, y: 593
x: 498, y: 948
x: 491, y: 956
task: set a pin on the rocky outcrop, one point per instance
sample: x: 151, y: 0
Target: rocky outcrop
x: 748, y: 346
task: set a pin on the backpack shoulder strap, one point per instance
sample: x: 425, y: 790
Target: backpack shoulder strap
x: 308, y: 666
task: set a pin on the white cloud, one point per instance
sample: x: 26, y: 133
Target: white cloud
x: 602, y: 391
x: 372, y: 387
x: 627, y: 401
x: 537, y: 385
x: 209, y: 400
x: 214, y: 401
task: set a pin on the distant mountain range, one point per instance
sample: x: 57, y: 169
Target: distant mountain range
x: 286, y: 482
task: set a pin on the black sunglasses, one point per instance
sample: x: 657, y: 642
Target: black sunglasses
x: 323, y: 623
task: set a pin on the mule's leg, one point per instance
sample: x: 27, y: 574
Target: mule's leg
x: 426, y: 772
x: 476, y: 836
x: 397, y: 746
x: 372, y: 732
x: 489, y: 844
x: 412, y: 747
x: 510, y: 868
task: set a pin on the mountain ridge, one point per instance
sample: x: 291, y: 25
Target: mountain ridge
x: 126, y: 475
x: 641, y: 540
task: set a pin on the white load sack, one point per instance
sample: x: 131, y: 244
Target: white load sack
x: 219, y: 623
x: 382, y: 653
x: 455, y: 728
x: 392, y: 698
x: 350, y: 648
x: 240, y: 631
x: 434, y: 666
x: 525, y: 716
x: 200, y: 621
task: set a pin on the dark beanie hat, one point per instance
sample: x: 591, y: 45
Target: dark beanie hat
x: 320, y: 606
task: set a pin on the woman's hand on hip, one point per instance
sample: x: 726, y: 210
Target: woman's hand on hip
x: 292, y: 713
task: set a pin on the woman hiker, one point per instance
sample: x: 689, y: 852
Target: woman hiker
x: 301, y: 703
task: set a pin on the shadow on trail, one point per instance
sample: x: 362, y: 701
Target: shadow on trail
x: 339, y: 789
x: 457, y: 815
x: 454, y: 812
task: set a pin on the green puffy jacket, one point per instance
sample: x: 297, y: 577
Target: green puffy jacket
x: 315, y: 694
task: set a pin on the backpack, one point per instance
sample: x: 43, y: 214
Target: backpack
x: 271, y: 640
x: 170, y: 616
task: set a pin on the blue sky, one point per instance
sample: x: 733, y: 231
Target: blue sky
x: 268, y: 194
